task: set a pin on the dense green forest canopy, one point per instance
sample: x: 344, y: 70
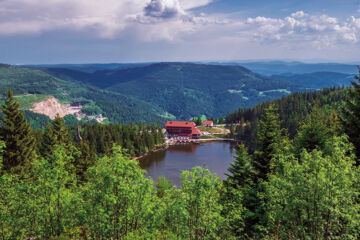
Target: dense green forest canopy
x: 269, y: 68
x: 114, y: 106
x: 293, y: 110
x: 318, y: 80
x: 299, y: 181
x: 156, y: 91
x: 187, y: 90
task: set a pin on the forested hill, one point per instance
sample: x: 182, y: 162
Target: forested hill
x: 318, y: 80
x: 293, y: 111
x: 185, y: 89
x: 160, y: 91
x: 269, y: 68
x: 31, y: 85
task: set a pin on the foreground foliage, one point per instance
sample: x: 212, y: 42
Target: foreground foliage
x: 116, y: 202
x: 316, y: 196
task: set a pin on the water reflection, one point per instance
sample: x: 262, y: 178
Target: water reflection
x: 154, y: 158
x: 215, y: 156
x: 183, y: 148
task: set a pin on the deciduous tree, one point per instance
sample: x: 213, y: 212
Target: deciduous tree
x: 316, y: 197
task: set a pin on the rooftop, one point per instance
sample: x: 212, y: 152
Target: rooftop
x: 180, y: 124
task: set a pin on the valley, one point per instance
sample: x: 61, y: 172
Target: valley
x: 185, y: 90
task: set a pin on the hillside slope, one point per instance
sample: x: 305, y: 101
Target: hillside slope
x: 318, y: 80
x: 280, y: 67
x: 293, y: 110
x: 114, y: 106
x: 187, y: 90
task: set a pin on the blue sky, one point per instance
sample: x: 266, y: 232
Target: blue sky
x: 93, y: 31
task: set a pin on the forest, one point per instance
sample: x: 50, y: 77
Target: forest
x: 293, y: 111
x: 297, y: 178
x: 26, y: 82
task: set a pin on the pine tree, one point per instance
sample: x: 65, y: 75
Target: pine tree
x: 255, y: 197
x: 269, y: 141
x: 236, y: 183
x: 350, y: 115
x: 240, y: 170
x: 198, y: 121
x: 314, y: 132
x: 48, y: 141
x: 55, y: 134
x: 85, y: 160
x: 60, y: 131
x: 18, y: 138
x: 221, y: 120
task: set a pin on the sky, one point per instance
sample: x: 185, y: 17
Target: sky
x: 104, y: 31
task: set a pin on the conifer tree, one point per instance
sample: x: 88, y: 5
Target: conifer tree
x: 236, y: 183
x: 55, y: 134
x: 240, y: 170
x: 60, y: 132
x: 269, y: 141
x: 221, y: 120
x: 48, y: 141
x: 350, y: 115
x: 315, y: 131
x: 85, y: 160
x: 255, y: 197
x: 18, y: 138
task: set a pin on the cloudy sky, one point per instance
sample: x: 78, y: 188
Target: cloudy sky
x: 89, y: 31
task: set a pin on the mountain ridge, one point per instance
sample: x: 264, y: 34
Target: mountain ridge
x: 186, y: 90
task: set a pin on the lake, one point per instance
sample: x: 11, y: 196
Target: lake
x: 215, y: 156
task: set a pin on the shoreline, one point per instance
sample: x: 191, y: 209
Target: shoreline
x: 217, y: 139
x: 150, y: 152
x: 201, y: 140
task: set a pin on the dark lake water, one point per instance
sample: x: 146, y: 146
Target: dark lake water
x: 215, y: 156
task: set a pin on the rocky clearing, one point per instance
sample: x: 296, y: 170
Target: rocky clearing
x: 51, y: 107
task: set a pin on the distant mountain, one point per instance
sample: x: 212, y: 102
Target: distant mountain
x: 31, y: 85
x: 279, y: 67
x: 88, y: 68
x: 186, y: 90
x: 318, y: 80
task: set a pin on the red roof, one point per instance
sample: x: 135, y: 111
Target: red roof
x: 196, y: 131
x: 208, y: 122
x: 179, y: 124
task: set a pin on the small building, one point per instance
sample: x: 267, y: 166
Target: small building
x: 208, y: 123
x: 182, y: 129
x: 196, y: 133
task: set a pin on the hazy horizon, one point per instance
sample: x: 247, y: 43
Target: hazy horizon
x: 238, y: 61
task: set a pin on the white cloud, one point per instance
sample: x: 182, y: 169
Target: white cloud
x: 170, y: 20
x: 107, y: 18
x: 189, y: 4
x: 163, y: 9
x: 298, y: 14
x: 303, y: 28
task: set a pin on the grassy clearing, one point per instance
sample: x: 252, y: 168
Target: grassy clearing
x: 211, y: 130
x: 27, y: 101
